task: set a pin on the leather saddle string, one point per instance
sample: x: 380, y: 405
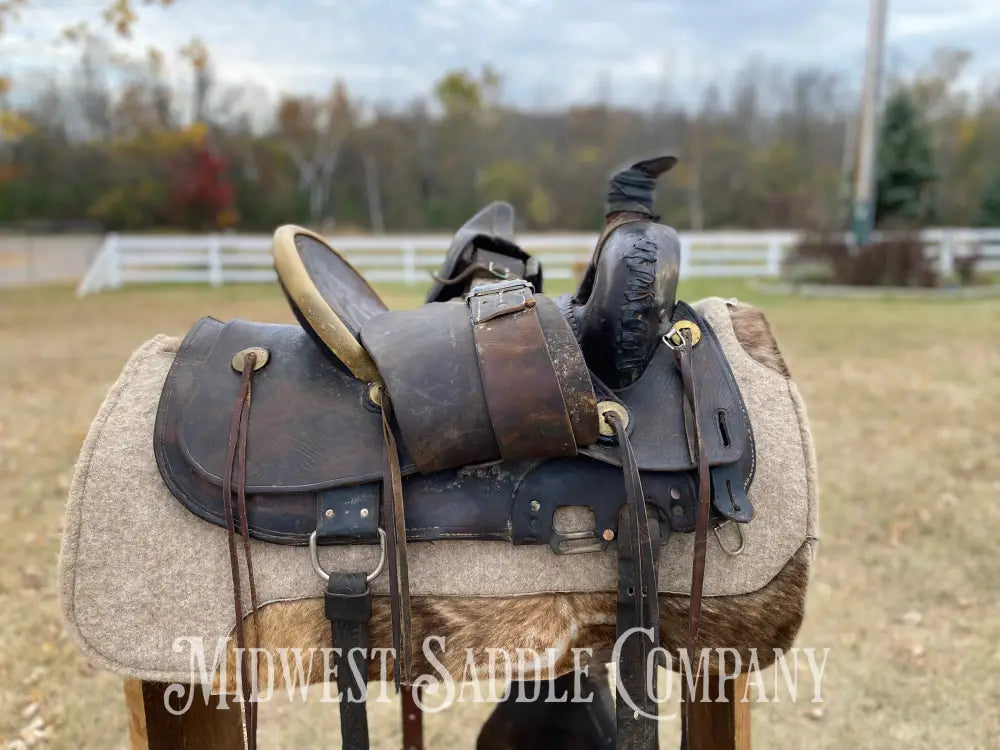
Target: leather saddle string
x: 683, y: 353
x: 470, y: 271
x: 634, y: 732
x: 236, y: 454
x: 394, y: 520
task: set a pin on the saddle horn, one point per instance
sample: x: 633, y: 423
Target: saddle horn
x: 631, y: 282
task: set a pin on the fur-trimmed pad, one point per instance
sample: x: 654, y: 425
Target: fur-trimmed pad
x: 138, y: 571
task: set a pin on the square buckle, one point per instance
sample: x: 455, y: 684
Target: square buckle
x: 499, y: 287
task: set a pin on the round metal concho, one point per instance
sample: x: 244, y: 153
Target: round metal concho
x: 673, y: 337
x: 240, y: 358
x: 375, y: 393
x: 603, y: 407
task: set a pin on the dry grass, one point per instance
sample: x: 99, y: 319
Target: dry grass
x: 905, y: 403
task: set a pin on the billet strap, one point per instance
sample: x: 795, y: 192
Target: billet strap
x: 395, y: 530
x: 348, y: 607
x: 413, y: 718
x: 683, y: 354
x: 236, y: 453
x: 525, y: 402
x: 638, y: 606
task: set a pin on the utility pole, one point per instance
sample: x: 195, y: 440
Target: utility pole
x: 863, y: 212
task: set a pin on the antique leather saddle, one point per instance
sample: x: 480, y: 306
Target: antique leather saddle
x: 475, y: 416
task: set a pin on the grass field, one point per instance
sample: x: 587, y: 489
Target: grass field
x: 904, y: 399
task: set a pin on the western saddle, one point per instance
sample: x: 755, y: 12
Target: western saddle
x: 617, y: 398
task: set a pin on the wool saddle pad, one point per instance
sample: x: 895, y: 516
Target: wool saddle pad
x: 138, y: 570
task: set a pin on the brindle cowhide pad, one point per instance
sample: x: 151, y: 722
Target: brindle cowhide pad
x: 766, y: 619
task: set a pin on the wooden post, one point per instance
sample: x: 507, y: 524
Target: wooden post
x: 720, y: 726
x: 202, y: 727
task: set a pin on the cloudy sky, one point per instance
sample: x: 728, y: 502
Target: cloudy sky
x: 550, y: 52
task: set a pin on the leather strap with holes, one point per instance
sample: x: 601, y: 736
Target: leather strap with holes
x: 522, y: 392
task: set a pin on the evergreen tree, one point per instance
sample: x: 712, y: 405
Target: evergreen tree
x: 990, y: 213
x: 905, y: 164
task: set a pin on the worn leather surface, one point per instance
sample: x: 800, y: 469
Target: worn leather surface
x: 429, y: 362
x: 656, y: 408
x: 347, y: 292
x: 311, y: 426
x: 315, y: 445
x: 616, y: 313
x: 491, y: 234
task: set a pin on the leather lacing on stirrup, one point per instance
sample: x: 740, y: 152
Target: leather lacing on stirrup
x: 237, y: 453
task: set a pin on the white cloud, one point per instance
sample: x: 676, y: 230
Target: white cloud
x: 550, y: 53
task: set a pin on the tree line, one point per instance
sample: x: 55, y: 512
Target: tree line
x: 116, y: 143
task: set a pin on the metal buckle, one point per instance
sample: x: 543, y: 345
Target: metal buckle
x: 501, y: 272
x: 576, y: 542
x: 498, y: 306
x: 723, y: 547
x: 314, y: 557
x: 681, y: 332
x: 498, y: 287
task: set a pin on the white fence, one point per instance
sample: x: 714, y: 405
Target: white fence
x: 234, y: 258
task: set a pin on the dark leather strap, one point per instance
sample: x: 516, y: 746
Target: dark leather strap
x: 487, y: 264
x: 638, y: 607
x: 683, y: 354
x: 236, y: 452
x: 525, y: 403
x: 349, y: 608
x: 413, y: 719
x: 394, y: 521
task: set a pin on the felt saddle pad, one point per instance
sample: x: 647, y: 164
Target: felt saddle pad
x: 138, y: 570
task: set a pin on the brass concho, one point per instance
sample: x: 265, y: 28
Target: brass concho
x: 674, y: 337
x: 240, y: 358
x: 311, y: 305
x: 603, y: 407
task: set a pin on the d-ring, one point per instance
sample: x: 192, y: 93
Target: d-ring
x: 739, y: 530
x: 314, y: 555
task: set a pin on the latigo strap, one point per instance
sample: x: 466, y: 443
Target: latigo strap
x: 682, y: 346
x: 638, y: 607
x: 348, y: 607
x: 523, y: 396
x: 237, y: 452
x: 395, y: 529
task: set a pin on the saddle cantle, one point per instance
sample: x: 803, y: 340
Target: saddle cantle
x: 487, y: 409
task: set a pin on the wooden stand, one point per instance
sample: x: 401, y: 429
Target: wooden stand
x: 716, y: 726
x: 721, y: 726
x: 203, y: 726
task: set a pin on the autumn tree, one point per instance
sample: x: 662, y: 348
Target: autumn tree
x: 313, y: 132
